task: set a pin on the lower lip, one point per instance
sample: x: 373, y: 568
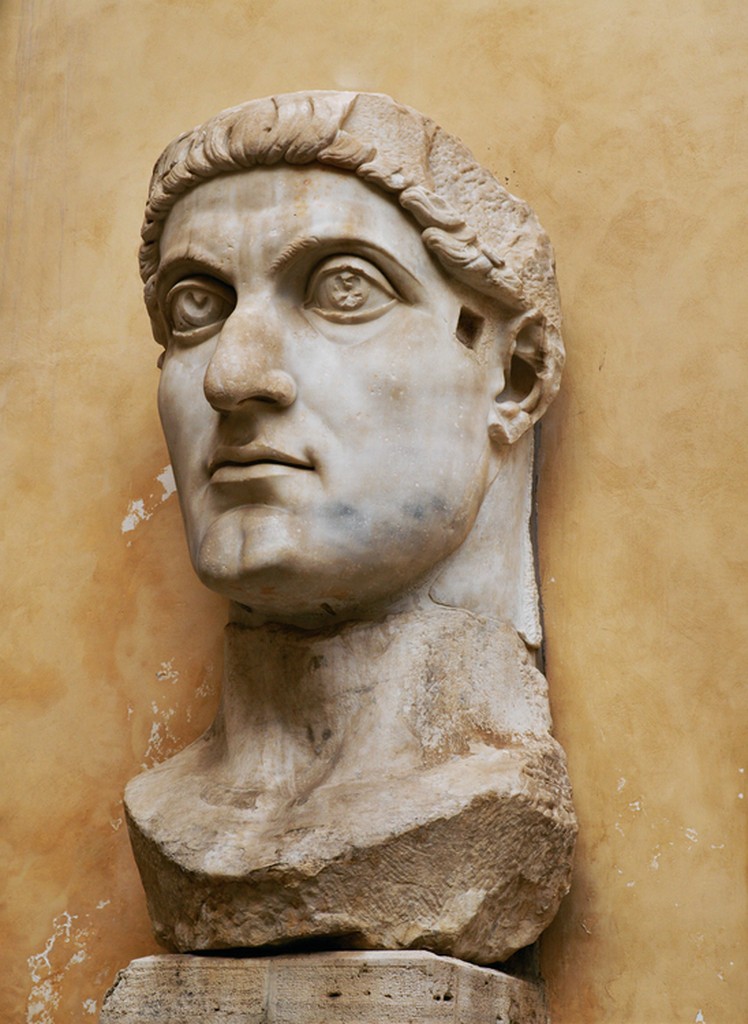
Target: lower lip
x: 237, y: 474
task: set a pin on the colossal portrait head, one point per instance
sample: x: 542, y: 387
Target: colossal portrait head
x: 360, y: 326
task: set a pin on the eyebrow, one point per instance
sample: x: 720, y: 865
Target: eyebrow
x: 294, y: 249
x: 200, y: 262
x: 197, y: 262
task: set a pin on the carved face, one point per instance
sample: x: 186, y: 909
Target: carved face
x: 327, y: 426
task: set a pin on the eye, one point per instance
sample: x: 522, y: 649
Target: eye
x: 349, y: 290
x: 197, y: 305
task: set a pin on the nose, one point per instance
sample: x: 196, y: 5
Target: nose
x: 245, y: 366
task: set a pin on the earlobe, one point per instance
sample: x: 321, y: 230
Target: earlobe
x: 529, y: 378
x: 509, y: 423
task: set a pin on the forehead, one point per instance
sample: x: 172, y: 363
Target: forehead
x: 269, y: 209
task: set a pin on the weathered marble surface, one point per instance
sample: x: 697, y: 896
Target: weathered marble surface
x: 337, y: 988
x: 360, y: 327
x: 375, y: 787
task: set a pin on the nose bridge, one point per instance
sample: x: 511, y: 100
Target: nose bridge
x: 248, y: 361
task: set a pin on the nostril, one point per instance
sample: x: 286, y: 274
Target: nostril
x: 273, y: 388
x: 277, y: 387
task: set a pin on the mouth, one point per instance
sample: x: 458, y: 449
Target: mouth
x: 235, y: 463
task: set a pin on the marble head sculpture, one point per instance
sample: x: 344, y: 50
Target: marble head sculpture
x: 360, y: 326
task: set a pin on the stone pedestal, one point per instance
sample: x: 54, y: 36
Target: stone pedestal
x: 319, y: 988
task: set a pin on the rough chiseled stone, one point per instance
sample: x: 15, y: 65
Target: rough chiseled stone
x: 323, y: 988
x: 407, y: 800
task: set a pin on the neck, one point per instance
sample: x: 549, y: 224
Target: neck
x: 493, y: 572
x: 300, y: 709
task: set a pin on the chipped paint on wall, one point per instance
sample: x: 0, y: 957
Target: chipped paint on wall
x: 161, y: 741
x: 171, y: 707
x: 64, y: 948
x: 136, y: 513
x: 167, y: 673
x: 208, y: 684
x: 167, y: 481
x: 140, y: 510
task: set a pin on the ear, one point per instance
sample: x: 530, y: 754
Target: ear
x: 529, y: 377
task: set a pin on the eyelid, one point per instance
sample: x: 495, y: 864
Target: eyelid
x: 358, y: 265
x: 305, y: 255
x: 377, y: 299
x: 197, y: 282
x: 210, y: 284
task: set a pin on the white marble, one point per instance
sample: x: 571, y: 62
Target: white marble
x: 330, y: 436
x: 373, y: 785
x: 360, y: 327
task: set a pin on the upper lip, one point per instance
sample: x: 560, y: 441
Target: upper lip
x: 247, y: 454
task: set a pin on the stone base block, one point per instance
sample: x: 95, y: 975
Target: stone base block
x: 319, y: 988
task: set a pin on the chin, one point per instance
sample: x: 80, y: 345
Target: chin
x: 239, y: 553
x: 289, y: 591
x: 265, y: 560
x: 261, y: 561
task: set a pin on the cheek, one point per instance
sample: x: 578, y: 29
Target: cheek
x: 164, y: 402
x: 185, y: 413
x: 441, y: 409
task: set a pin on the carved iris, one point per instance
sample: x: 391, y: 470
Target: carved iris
x: 349, y: 290
x: 196, y: 306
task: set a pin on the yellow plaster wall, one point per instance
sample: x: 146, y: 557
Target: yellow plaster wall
x: 624, y: 124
